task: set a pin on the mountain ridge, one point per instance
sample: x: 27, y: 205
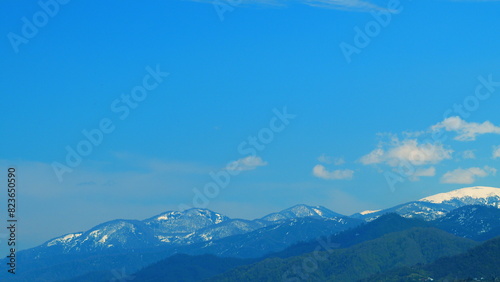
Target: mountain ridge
x: 438, y: 205
x: 198, y: 231
x: 180, y: 227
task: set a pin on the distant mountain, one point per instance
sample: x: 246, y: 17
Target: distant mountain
x: 172, y: 232
x: 225, y: 229
x: 416, y: 209
x: 272, y: 238
x: 109, y: 236
x: 385, y: 224
x: 177, y: 229
x: 480, y: 263
x: 475, y: 222
x: 405, y: 248
x: 299, y: 211
x: 380, y: 228
x: 479, y: 195
x: 184, y: 222
x: 197, y: 225
x: 172, y: 228
x: 134, y: 244
x: 254, y: 244
x: 436, y: 206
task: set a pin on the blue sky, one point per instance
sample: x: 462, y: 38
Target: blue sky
x: 357, y: 119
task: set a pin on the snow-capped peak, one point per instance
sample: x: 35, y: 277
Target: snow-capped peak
x: 187, y: 221
x: 478, y: 192
x: 299, y: 211
x: 368, y: 212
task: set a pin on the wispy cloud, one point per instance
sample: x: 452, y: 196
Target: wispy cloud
x: 466, y: 131
x: 468, y: 155
x: 496, y: 152
x: 467, y: 176
x: 408, y: 150
x: 330, y: 160
x: 348, y: 5
x: 423, y: 172
x: 325, y: 159
x: 247, y: 163
x: 338, y: 161
x: 321, y: 172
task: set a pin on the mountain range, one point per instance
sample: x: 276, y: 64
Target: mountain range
x: 438, y: 205
x: 131, y: 245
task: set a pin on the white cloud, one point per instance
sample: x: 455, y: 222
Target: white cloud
x: 466, y: 131
x: 325, y: 159
x: 412, y: 134
x: 338, y: 161
x: 467, y: 176
x: 409, y: 150
x: 374, y: 157
x: 496, y: 152
x: 427, y: 172
x: 321, y: 172
x: 468, y: 155
x: 247, y: 163
x: 330, y: 160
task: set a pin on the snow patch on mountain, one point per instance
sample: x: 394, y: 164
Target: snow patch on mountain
x: 471, y: 195
x: 300, y: 211
x: 438, y: 205
x: 103, y: 239
x: 368, y: 212
x: 187, y: 221
x: 318, y: 211
x: 65, y: 239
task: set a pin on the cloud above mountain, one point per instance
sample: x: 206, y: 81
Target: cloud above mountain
x: 423, y: 172
x: 247, y: 163
x: 468, y: 175
x: 409, y: 150
x: 466, y: 131
x: 406, y: 153
x: 330, y: 160
x: 321, y: 172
